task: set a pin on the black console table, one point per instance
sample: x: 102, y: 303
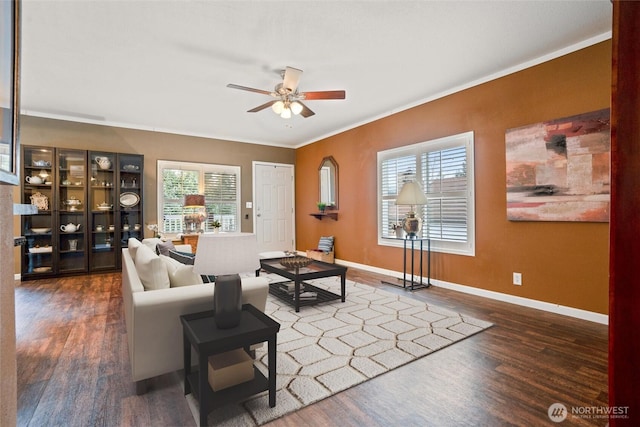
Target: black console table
x: 201, y: 333
x: 413, y: 284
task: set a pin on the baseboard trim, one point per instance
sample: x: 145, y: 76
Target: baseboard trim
x: 498, y: 296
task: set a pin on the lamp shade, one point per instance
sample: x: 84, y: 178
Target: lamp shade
x: 231, y: 253
x: 286, y: 113
x: 411, y: 194
x: 277, y: 107
x: 194, y: 201
x: 296, y: 107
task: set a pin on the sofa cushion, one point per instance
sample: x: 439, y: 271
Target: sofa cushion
x: 151, y: 270
x: 188, y: 259
x: 180, y: 274
x: 163, y: 248
x: 151, y: 243
x: 133, y: 244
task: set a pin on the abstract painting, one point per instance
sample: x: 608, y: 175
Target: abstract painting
x: 559, y: 170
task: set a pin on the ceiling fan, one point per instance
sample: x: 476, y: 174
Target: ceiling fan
x: 287, y: 99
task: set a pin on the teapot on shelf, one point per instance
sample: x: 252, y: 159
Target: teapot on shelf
x: 103, y: 162
x: 34, y: 179
x: 70, y: 228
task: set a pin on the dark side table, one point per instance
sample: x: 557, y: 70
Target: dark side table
x: 199, y: 331
x: 412, y: 284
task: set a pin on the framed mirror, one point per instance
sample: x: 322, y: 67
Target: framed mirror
x: 328, y: 175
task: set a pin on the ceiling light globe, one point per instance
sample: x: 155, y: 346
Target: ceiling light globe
x: 296, y: 107
x: 277, y: 107
x: 286, y: 113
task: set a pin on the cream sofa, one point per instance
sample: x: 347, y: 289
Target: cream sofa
x: 154, y: 330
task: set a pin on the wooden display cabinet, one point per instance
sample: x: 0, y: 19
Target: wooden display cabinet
x: 89, y: 205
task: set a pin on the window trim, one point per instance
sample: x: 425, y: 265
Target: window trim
x: 465, y: 139
x: 202, y: 168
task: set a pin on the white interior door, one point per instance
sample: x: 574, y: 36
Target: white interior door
x: 274, y: 216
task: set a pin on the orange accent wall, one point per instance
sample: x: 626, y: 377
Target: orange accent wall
x: 562, y: 263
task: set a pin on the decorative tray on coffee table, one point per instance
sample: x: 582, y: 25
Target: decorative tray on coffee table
x: 295, y: 262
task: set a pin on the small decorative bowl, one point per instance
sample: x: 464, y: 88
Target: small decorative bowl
x: 295, y: 262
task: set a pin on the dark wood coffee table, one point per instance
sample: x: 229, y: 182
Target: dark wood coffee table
x: 315, y: 270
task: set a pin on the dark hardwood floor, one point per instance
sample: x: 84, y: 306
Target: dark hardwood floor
x: 73, y: 367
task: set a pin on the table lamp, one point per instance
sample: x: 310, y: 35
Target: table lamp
x: 225, y: 256
x: 411, y: 194
x: 195, y: 212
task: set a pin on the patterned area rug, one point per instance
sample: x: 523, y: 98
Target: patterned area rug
x: 330, y: 347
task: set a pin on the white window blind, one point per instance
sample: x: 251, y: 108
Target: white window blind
x: 221, y: 199
x: 444, y: 169
x: 395, y: 172
x: 220, y: 185
x: 445, y: 215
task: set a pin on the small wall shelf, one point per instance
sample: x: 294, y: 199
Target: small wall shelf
x: 320, y: 215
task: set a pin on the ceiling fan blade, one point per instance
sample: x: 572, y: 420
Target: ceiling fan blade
x: 306, y: 111
x: 250, y: 89
x: 325, y: 94
x: 262, y: 107
x: 291, y: 79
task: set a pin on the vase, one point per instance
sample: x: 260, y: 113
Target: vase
x: 412, y: 225
x: 227, y: 301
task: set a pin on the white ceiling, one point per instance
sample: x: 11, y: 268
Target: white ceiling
x: 164, y: 65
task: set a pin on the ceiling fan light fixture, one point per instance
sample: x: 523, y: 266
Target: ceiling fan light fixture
x: 277, y: 107
x: 296, y: 107
x: 286, y: 97
x: 286, y: 113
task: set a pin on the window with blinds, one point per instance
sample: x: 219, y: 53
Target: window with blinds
x: 444, y: 169
x: 220, y: 185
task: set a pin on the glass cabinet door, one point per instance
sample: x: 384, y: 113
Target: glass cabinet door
x: 37, y: 189
x: 72, y: 217
x: 130, y: 197
x: 103, y: 221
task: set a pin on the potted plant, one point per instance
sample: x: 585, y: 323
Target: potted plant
x: 321, y: 206
x: 216, y: 225
x: 154, y: 229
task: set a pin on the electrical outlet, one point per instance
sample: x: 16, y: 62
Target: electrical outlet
x: 517, y: 279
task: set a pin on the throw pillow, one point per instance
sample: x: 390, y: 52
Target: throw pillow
x: 163, y: 248
x: 180, y: 274
x: 188, y: 259
x: 133, y: 244
x: 182, y: 257
x: 151, y: 243
x: 326, y: 244
x: 151, y: 270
